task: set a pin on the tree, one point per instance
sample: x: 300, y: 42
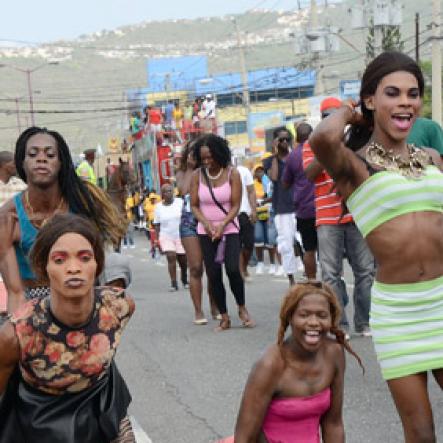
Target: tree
x: 426, y: 67
x: 390, y: 40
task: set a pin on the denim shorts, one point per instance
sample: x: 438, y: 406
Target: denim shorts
x: 265, y: 233
x: 188, y: 225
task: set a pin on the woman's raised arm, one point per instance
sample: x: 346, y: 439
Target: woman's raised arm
x: 327, y: 143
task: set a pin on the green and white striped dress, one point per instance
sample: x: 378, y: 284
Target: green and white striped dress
x: 406, y: 319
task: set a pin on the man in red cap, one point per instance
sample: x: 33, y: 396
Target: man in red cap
x: 338, y: 236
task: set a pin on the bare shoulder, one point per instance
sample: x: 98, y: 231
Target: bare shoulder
x: 272, y: 359
x: 195, y: 175
x: 334, y: 350
x: 235, y: 174
x: 8, y: 208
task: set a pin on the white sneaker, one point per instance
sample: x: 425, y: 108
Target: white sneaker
x: 132, y: 246
x: 280, y: 271
x: 260, y: 268
x: 271, y: 269
x: 365, y: 332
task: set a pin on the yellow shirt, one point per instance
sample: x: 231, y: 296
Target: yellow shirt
x: 86, y: 172
x: 150, y: 207
x: 177, y: 114
x: 129, y: 205
x: 259, y: 189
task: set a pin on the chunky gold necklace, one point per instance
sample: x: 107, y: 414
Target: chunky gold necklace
x: 412, y: 167
x: 32, y: 215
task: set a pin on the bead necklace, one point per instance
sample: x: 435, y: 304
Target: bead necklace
x: 412, y: 167
x: 32, y: 212
x: 217, y: 176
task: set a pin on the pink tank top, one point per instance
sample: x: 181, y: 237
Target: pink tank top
x: 296, y: 419
x: 210, y: 210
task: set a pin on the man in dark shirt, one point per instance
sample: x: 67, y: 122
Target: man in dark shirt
x: 304, y: 199
x: 282, y: 203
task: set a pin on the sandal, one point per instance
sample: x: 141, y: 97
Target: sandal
x: 247, y: 322
x: 224, y: 324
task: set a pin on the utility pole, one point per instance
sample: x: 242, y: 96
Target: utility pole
x: 316, y: 59
x: 31, y: 100
x: 17, y: 111
x: 436, y: 61
x: 417, y: 37
x: 314, y: 15
x: 244, y: 72
x: 244, y: 77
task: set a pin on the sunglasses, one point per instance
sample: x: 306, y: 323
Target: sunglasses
x: 284, y: 139
x: 327, y: 113
x: 316, y: 283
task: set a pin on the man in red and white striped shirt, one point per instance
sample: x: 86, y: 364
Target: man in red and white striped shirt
x: 338, y: 237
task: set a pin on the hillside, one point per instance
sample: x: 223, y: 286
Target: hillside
x: 87, y: 87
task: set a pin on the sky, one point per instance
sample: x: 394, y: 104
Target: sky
x: 49, y: 20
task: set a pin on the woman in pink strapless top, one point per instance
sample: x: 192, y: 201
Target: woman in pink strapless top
x: 294, y: 393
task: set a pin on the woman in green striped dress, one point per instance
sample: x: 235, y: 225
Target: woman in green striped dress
x: 395, y: 194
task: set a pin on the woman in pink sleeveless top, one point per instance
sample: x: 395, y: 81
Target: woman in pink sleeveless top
x: 217, y: 222
x: 294, y: 392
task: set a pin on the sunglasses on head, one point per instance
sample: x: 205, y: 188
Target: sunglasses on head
x: 316, y: 283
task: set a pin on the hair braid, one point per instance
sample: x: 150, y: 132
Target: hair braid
x: 340, y: 337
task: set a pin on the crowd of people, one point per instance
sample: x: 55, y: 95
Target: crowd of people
x: 353, y: 188
x: 175, y: 120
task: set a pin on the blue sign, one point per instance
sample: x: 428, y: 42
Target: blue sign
x: 350, y: 89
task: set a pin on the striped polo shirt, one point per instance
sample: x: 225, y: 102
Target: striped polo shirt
x: 328, y: 204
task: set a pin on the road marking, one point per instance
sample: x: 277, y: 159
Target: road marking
x: 140, y: 434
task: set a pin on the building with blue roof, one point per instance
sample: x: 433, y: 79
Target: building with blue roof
x: 276, y: 94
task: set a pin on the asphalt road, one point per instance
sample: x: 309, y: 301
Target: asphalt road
x: 186, y: 381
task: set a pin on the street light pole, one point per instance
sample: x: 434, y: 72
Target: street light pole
x: 28, y: 73
x: 31, y: 101
x: 18, y: 116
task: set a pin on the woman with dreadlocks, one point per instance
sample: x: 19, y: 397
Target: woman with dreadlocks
x: 44, y: 162
x: 296, y: 388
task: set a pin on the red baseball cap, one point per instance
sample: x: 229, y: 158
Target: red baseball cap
x: 330, y: 103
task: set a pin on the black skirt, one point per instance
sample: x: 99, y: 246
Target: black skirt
x: 28, y: 415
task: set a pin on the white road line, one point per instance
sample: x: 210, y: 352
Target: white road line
x: 140, y: 434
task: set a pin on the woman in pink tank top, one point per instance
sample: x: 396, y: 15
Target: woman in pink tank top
x: 215, y: 201
x: 294, y: 392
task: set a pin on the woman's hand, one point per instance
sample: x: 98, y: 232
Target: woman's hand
x: 356, y: 117
x: 209, y: 228
x: 218, y: 232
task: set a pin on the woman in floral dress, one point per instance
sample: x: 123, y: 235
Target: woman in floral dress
x: 57, y: 372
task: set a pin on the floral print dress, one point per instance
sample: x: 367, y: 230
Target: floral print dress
x: 56, y: 359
